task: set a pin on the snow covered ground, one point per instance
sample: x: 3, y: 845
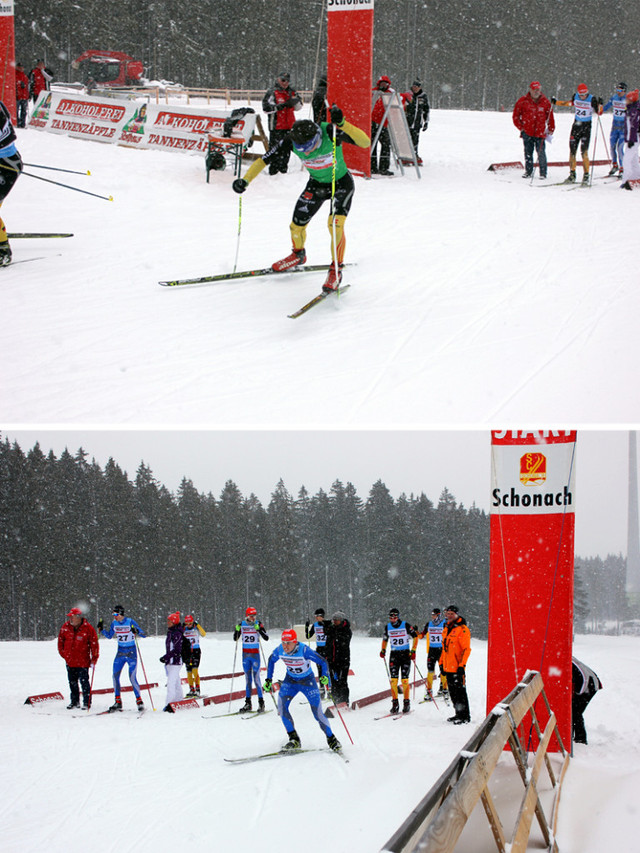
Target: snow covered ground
x: 158, y: 782
x: 476, y: 298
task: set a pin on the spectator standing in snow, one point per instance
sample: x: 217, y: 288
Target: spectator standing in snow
x: 456, y: 648
x: 417, y: 113
x: 172, y: 659
x: 314, y: 145
x: 533, y: 116
x: 585, y: 685
x: 39, y: 79
x: 22, y: 95
x: 192, y: 632
x: 78, y: 645
x: 338, y: 646
x: 319, y: 630
x: 319, y: 101
x: 251, y: 629
x: 10, y: 168
x: 631, y: 165
x: 584, y: 106
x: 298, y: 657
x: 280, y: 105
x: 403, y: 639
x: 125, y: 630
x: 380, y: 165
x: 617, y: 103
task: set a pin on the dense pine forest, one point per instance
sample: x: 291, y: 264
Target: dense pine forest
x: 474, y: 54
x: 72, y: 533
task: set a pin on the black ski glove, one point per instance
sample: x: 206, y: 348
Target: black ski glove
x: 239, y: 185
x: 337, y: 116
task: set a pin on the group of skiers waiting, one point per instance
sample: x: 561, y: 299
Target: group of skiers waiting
x: 534, y: 118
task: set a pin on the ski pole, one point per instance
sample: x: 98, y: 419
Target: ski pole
x: 56, y: 169
x: 604, y: 138
x: 235, y: 264
x: 233, y: 672
x: 144, y: 672
x: 57, y: 183
x: 335, y: 705
x: 275, y: 704
x: 93, y: 672
x: 333, y: 200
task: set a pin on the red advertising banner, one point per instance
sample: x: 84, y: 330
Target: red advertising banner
x: 531, y: 575
x: 350, y: 70
x: 8, y: 58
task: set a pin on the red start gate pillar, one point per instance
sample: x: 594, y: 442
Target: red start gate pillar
x: 350, y: 70
x: 7, y: 58
x: 531, y: 576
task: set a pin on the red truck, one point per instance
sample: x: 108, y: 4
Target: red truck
x: 108, y: 68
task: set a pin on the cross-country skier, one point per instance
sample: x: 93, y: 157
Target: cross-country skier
x: 314, y: 145
x: 433, y: 632
x: 318, y: 629
x: 298, y: 657
x: 125, y: 630
x: 403, y: 639
x: 10, y: 168
x: 618, y: 104
x: 193, y: 631
x: 251, y: 630
x: 584, y: 105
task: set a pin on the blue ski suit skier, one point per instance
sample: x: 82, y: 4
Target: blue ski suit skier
x: 298, y: 657
x: 125, y: 630
x: 433, y: 632
x: 618, y: 104
x: 251, y: 630
x: 584, y: 106
x: 319, y: 630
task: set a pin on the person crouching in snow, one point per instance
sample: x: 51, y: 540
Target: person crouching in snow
x: 172, y: 659
x: 329, y: 179
x: 298, y: 657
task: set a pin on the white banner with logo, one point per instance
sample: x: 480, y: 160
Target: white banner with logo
x: 134, y: 123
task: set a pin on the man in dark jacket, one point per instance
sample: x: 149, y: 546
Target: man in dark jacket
x: 533, y: 116
x: 339, y: 655
x: 585, y: 685
x: 417, y: 113
x: 280, y: 104
x: 78, y: 645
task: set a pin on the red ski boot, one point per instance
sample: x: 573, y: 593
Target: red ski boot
x: 333, y: 280
x: 295, y: 259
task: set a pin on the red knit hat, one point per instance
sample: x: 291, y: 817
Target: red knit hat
x: 174, y: 618
x: 632, y: 96
x: 583, y: 89
x: 75, y: 611
x: 289, y: 636
x: 535, y: 85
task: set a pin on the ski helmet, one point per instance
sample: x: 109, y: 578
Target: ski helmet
x: 583, y: 89
x: 118, y: 609
x: 289, y: 636
x: 250, y: 611
x: 188, y: 618
x: 174, y: 618
x: 304, y: 134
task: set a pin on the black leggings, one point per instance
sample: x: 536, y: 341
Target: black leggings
x: 315, y: 194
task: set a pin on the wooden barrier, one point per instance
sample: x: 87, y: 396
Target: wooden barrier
x: 436, y: 823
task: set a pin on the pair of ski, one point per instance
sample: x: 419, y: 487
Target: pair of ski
x: 282, y: 753
x: 258, y: 273
x: 245, y: 715
x: 395, y: 715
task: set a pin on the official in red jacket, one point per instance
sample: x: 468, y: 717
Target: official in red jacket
x: 22, y: 94
x: 533, y: 116
x: 78, y: 645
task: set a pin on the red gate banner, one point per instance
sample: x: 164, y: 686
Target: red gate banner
x: 8, y: 58
x: 350, y: 70
x: 531, y: 575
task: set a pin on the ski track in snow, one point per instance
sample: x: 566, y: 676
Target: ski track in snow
x: 472, y: 295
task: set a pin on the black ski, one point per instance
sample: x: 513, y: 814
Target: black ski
x: 317, y: 300
x: 280, y: 753
x: 231, y: 276
x: 20, y: 236
x: 243, y: 714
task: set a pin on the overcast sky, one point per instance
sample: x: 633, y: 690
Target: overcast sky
x: 410, y: 461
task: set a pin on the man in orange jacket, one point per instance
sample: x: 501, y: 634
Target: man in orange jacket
x: 456, y: 648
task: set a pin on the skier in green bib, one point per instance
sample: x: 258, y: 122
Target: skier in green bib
x: 314, y: 145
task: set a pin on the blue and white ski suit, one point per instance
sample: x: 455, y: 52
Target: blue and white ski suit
x: 299, y: 679
x: 618, y: 104
x: 127, y: 652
